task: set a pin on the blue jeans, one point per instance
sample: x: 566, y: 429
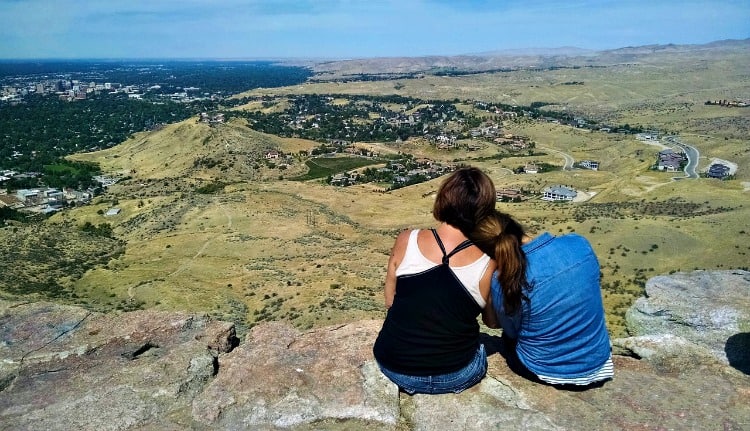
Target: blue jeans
x: 454, y: 382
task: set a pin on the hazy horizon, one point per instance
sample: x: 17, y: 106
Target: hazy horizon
x: 339, y: 29
x: 499, y: 52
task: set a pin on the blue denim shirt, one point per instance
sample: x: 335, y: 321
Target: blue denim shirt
x: 561, y: 331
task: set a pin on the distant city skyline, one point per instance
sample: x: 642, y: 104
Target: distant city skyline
x: 338, y: 29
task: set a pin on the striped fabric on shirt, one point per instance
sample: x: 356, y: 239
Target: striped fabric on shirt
x: 607, y: 371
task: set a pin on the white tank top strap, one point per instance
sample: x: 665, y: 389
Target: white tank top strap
x: 470, y: 275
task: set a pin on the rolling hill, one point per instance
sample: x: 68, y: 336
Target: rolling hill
x: 208, y: 224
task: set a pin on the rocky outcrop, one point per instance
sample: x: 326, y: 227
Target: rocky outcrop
x: 65, y: 368
x: 701, y: 314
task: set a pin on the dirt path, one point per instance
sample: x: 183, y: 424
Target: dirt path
x: 568, y: 160
x: 205, y: 244
x: 185, y: 265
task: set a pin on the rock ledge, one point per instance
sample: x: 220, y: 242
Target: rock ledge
x: 687, y: 366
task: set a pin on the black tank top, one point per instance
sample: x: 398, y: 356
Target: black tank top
x: 432, y: 327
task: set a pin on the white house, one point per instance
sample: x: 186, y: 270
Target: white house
x: 27, y: 196
x: 590, y: 164
x: 559, y: 193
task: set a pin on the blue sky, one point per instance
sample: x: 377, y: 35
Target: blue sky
x: 352, y: 28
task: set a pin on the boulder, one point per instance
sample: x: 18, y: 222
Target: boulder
x: 699, y: 314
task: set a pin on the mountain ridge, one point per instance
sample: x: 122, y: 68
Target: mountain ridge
x: 514, y: 58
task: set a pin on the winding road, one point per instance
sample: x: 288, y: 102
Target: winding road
x: 691, y: 153
x: 567, y: 158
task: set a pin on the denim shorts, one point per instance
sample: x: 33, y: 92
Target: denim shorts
x: 454, y: 382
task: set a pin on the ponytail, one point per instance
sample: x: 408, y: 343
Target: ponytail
x: 500, y: 237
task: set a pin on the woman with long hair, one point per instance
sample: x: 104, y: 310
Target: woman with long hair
x: 546, y: 296
x: 437, y: 284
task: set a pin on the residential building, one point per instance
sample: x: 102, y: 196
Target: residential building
x: 589, y: 164
x: 718, y: 170
x: 670, y: 161
x: 345, y: 179
x: 28, y: 196
x: 509, y: 194
x: 559, y: 193
x: 104, y: 180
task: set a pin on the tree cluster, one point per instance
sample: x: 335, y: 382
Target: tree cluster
x: 362, y: 118
x: 44, y: 129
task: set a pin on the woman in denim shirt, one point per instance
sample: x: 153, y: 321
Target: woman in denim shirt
x: 547, y: 299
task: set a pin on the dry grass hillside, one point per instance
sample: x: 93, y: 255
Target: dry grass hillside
x: 194, y: 151
x: 206, y: 224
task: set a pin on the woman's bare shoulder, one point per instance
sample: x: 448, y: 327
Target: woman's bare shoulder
x: 401, y: 241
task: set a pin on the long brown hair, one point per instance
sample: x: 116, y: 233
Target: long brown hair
x: 465, y: 197
x: 500, y: 237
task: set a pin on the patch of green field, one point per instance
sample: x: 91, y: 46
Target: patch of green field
x: 323, y: 167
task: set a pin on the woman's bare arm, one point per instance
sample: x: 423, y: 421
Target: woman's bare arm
x: 397, y: 255
x: 488, y: 313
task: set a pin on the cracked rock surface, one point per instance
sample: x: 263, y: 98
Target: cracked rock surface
x: 64, y: 368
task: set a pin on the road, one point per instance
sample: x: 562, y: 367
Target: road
x: 568, y: 166
x: 691, y: 153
